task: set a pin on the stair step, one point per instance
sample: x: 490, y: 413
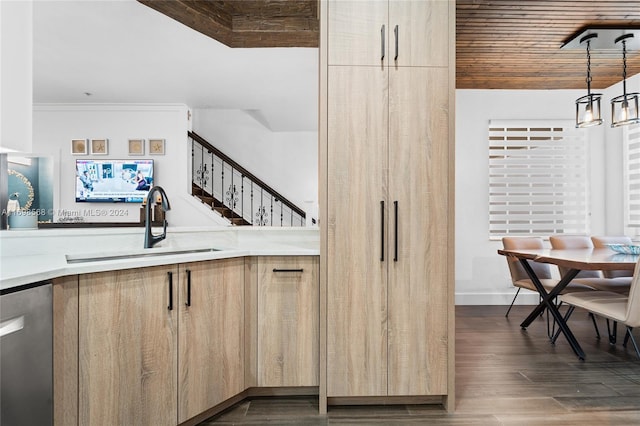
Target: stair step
x: 218, y: 206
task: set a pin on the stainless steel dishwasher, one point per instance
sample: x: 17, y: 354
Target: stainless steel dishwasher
x: 26, y: 356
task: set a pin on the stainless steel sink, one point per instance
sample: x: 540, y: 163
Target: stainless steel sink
x: 102, y: 258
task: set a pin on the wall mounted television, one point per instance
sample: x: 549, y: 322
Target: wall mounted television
x: 113, y: 181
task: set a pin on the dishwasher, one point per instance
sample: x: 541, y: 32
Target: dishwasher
x: 26, y: 355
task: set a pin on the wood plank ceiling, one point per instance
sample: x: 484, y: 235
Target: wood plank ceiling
x: 500, y: 44
x: 514, y: 44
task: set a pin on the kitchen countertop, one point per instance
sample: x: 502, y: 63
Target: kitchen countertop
x: 36, y: 255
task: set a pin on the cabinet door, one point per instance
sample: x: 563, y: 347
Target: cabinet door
x: 356, y: 35
x: 418, y: 279
x: 288, y: 306
x: 356, y: 275
x: 422, y: 34
x: 211, y: 351
x: 127, y: 348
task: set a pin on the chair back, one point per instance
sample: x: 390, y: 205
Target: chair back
x: 518, y: 273
x: 601, y: 242
x: 568, y: 242
x: 633, y: 304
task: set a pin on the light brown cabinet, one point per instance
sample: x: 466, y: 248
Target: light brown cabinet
x: 160, y: 345
x: 128, y: 347
x: 168, y: 345
x: 211, y: 335
x: 287, y: 321
x: 386, y: 141
x: 388, y: 32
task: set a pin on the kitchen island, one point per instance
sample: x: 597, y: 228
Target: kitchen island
x: 176, y: 333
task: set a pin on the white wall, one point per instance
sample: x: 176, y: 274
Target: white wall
x: 286, y: 161
x: 55, y: 125
x: 482, y: 276
x: 16, y: 46
x: 614, y: 212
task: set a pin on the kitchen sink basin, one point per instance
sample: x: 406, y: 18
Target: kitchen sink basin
x: 103, y: 258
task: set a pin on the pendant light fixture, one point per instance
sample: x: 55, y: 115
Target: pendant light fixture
x: 588, y: 106
x: 624, y: 108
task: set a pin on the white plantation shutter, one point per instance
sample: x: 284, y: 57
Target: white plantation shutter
x: 631, y: 143
x: 538, y: 184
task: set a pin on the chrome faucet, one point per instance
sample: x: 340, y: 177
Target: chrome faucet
x: 149, y: 238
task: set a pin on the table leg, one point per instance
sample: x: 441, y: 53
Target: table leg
x: 547, y: 302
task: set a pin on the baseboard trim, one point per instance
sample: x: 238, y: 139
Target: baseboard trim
x: 528, y: 298
x: 386, y: 400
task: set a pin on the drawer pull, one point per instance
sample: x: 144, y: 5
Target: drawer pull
x: 382, y: 49
x: 382, y: 231
x: 395, y: 31
x: 188, y: 303
x: 288, y: 270
x: 395, y: 230
x: 170, y: 307
x: 11, y: 326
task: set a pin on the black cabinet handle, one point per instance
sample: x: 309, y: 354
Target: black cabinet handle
x: 382, y: 231
x: 395, y: 231
x: 288, y: 270
x: 188, y: 303
x: 382, y: 43
x: 395, y: 31
x: 170, y: 307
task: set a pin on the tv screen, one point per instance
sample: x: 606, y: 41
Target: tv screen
x: 114, y: 181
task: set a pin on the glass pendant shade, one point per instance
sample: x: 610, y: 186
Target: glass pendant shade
x: 624, y: 110
x: 588, y: 112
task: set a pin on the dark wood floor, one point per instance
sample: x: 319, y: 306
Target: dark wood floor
x: 504, y: 376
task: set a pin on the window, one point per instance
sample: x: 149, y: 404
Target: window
x: 538, y: 182
x: 631, y: 143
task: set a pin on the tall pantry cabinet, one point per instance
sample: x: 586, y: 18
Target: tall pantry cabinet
x: 387, y: 88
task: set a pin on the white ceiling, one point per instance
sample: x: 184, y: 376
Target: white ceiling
x: 121, y: 51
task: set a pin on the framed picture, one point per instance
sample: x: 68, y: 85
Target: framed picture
x: 156, y: 146
x: 79, y: 147
x: 136, y: 146
x: 99, y: 146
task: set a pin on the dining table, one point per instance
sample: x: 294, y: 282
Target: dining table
x: 575, y: 260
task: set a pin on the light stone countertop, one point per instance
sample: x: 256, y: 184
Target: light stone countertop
x: 37, y: 255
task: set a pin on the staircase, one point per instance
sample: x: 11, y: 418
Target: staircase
x: 236, y: 194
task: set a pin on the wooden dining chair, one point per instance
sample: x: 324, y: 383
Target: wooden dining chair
x: 613, y: 306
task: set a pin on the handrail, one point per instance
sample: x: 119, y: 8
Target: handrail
x: 247, y: 174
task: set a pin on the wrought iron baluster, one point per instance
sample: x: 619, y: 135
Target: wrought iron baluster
x: 207, y: 172
x: 193, y: 164
x: 222, y: 184
x: 213, y: 174
x: 202, y: 162
x: 242, y: 195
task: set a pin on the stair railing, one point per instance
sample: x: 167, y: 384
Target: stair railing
x: 249, y: 199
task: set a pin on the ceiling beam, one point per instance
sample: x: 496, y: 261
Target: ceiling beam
x: 249, y: 23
